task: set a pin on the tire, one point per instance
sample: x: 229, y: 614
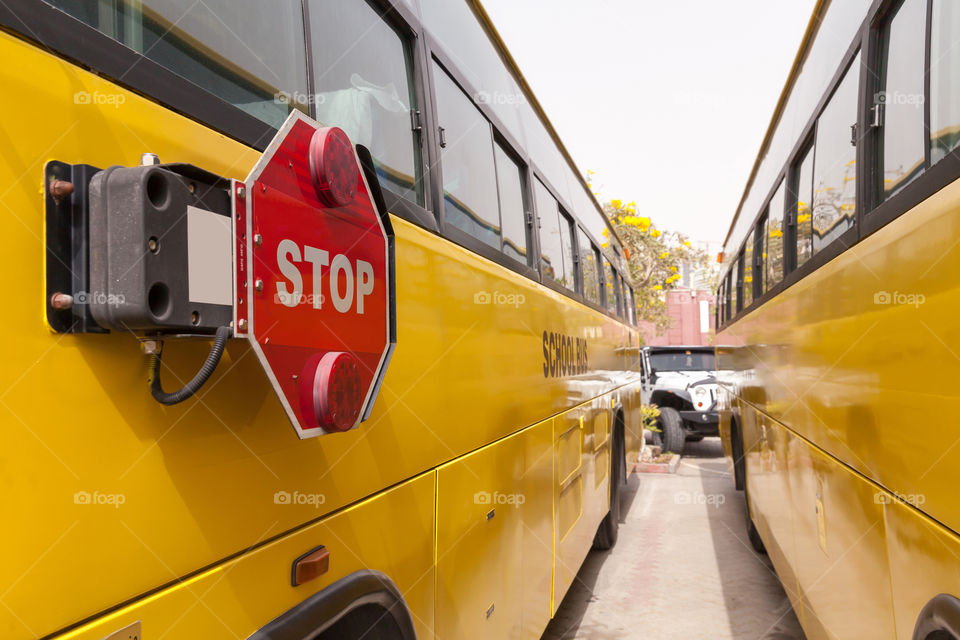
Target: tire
x: 739, y: 462
x: 607, y: 532
x: 755, y: 540
x: 695, y: 438
x: 672, y: 435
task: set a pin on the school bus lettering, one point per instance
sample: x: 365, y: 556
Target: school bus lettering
x: 563, y: 355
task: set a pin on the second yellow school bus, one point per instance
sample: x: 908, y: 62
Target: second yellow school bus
x: 839, y: 321
x: 509, y: 414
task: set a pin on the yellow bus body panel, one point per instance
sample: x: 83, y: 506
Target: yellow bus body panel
x: 390, y: 533
x: 202, y: 481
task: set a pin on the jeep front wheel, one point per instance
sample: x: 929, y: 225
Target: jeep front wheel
x: 672, y: 435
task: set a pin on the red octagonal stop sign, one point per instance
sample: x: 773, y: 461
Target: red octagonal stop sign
x: 314, y: 272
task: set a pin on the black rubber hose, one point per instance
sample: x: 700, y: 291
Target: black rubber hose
x: 219, y: 342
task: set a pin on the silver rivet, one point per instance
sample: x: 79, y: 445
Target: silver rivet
x: 242, y: 323
x: 241, y: 191
x: 257, y: 239
x: 258, y: 284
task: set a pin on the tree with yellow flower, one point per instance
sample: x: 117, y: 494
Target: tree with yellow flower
x: 655, y: 256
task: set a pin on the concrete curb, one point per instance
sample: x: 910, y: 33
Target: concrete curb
x: 659, y: 467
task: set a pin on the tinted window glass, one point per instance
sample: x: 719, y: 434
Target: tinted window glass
x: 250, y: 54
x: 835, y: 165
x: 775, y: 239
x: 512, y: 206
x: 569, y: 251
x: 589, y: 261
x: 363, y: 82
x: 551, y: 247
x: 760, y: 258
x: 688, y: 360
x: 944, y: 78
x: 748, y: 271
x: 804, y: 178
x: 466, y: 157
x: 610, y: 285
x: 903, y: 140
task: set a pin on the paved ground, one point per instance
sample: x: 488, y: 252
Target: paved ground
x: 682, y: 567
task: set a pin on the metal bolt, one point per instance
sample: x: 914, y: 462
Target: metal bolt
x: 257, y: 239
x: 153, y: 244
x: 149, y: 159
x: 258, y: 284
x: 241, y: 192
x: 242, y: 323
x: 60, y: 189
x: 150, y: 347
x: 61, y: 301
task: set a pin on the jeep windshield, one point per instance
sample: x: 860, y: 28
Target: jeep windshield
x: 685, y: 360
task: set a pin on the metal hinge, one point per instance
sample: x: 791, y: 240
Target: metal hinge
x: 415, y: 122
x: 443, y: 137
x: 853, y: 134
x: 877, y: 111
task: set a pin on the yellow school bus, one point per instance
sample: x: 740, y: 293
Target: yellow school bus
x: 494, y: 455
x: 838, y: 320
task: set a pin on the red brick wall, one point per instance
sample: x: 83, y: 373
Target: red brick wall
x: 683, y: 306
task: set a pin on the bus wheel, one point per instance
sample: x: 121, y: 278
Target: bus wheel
x: 736, y: 450
x: 608, y: 530
x: 755, y: 540
x: 672, y: 435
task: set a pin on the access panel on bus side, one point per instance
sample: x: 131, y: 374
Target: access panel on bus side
x: 841, y: 562
x: 392, y: 533
x: 495, y: 539
x: 582, y: 439
x: 924, y: 559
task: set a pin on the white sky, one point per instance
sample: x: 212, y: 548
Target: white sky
x: 666, y: 101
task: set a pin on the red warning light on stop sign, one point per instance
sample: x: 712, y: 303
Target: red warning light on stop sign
x: 315, y: 265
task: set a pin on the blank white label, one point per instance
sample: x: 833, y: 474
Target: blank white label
x: 209, y: 257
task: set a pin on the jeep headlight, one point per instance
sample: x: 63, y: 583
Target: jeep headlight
x: 701, y: 398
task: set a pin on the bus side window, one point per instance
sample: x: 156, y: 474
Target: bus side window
x: 363, y: 69
x: 835, y: 163
x: 610, y: 282
x: 903, y: 145
x: 775, y: 239
x: 470, y: 201
x: 589, y: 267
x: 802, y: 179
x: 250, y: 54
x: 746, y: 259
x: 944, y: 79
x: 513, y: 205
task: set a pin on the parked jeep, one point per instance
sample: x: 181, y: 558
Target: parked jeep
x: 682, y: 382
